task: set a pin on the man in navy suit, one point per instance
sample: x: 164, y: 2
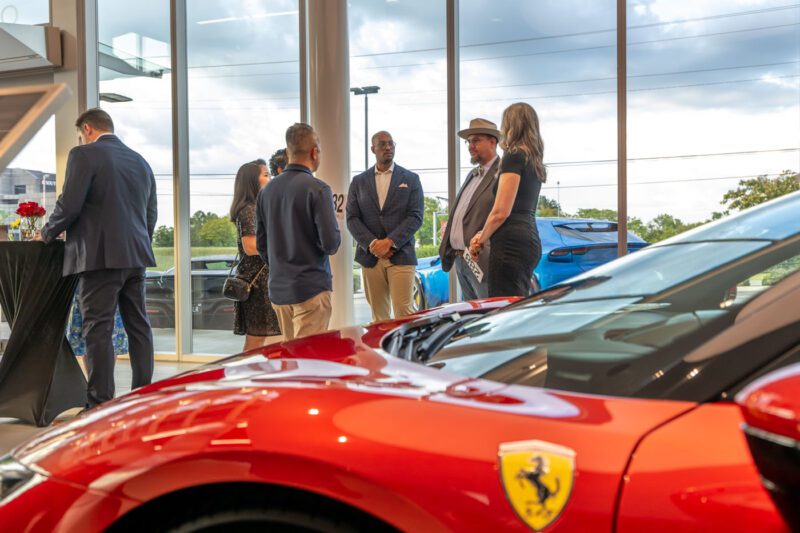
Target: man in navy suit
x: 384, y: 210
x: 108, y: 209
x: 296, y: 231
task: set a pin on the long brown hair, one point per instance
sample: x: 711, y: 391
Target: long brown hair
x: 245, y: 188
x: 520, y: 129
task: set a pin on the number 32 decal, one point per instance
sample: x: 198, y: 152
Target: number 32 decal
x: 338, y: 203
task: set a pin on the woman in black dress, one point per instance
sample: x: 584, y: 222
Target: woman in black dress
x: 511, y: 225
x: 254, y: 317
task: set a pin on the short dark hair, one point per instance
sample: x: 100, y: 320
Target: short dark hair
x: 300, y: 139
x: 96, y: 118
x: 278, y: 160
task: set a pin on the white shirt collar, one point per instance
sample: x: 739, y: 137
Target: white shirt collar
x: 389, y: 170
x: 488, y: 165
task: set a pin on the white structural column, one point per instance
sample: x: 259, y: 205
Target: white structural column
x: 329, y: 104
x: 77, y: 20
x: 180, y: 182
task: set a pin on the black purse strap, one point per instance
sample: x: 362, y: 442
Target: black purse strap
x: 239, y: 257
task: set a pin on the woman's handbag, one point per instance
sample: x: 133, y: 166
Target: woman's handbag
x: 237, y: 288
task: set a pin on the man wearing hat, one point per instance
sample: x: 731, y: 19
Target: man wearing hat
x: 472, y: 206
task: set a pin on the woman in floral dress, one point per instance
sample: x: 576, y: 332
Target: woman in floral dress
x: 254, y: 317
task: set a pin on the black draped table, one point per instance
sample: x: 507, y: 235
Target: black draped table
x: 39, y: 375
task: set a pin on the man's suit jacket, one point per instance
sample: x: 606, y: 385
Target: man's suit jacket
x: 480, y: 205
x: 296, y: 231
x: 108, y: 208
x: 399, y: 219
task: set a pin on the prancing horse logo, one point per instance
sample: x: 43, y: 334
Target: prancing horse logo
x: 537, y: 477
x: 543, y: 492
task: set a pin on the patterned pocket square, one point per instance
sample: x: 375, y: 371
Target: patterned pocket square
x: 403, y: 186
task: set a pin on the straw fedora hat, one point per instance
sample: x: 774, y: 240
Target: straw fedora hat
x: 482, y: 126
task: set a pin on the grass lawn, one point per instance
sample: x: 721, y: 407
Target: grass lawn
x: 165, y: 256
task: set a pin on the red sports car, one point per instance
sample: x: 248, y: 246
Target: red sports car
x: 771, y: 408
x: 601, y: 404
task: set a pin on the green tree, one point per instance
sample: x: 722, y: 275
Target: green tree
x: 196, y: 223
x: 218, y: 232
x: 548, y: 207
x: 637, y: 227
x: 599, y: 214
x: 758, y: 190
x: 665, y: 226
x: 424, y: 235
x: 164, y: 236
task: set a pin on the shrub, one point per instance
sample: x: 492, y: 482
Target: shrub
x: 427, y: 250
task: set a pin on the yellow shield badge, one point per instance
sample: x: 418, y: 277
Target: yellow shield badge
x: 537, y: 477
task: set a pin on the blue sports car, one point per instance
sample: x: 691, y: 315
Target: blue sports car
x: 570, y: 246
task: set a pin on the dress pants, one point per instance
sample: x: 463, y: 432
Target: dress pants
x: 389, y: 287
x: 471, y: 289
x: 305, y: 318
x: 99, y: 291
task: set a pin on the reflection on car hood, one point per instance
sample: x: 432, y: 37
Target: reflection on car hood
x: 334, y: 387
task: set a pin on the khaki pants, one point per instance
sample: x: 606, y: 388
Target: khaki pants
x: 388, y: 287
x: 305, y: 318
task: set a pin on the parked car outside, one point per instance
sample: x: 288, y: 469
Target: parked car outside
x: 570, y: 246
x: 210, y: 309
x: 604, y: 403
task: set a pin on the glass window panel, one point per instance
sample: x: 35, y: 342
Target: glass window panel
x: 401, y: 48
x: 559, y: 57
x: 135, y: 89
x: 243, y: 94
x: 30, y: 177
x: 713, y: 99
x: 25, y: 12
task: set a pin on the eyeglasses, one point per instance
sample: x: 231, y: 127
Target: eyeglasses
x: 474, y: 141
x: 386, y: 144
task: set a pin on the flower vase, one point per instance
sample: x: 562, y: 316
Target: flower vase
x: 28, y: 228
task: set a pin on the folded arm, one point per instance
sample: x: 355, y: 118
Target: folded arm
x: 355, y: 224
x: 261, y: 230
x: 72, y: 199
x: 405, y: 231
x: 152, y: 205
x: 325, y: 222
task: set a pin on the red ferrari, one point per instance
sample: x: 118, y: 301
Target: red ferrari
x: 602, y: 404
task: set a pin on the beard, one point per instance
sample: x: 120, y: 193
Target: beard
x: 474, y: 160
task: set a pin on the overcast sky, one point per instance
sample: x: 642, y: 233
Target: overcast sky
x: 714, y: 90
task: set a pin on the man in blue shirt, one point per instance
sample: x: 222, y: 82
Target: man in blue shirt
x: 296, y: 232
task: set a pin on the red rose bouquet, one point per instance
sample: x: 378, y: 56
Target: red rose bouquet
x: 30, y: 214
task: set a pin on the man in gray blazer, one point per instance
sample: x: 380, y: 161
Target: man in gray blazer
x: 472, y: 206
x: 108, y: 209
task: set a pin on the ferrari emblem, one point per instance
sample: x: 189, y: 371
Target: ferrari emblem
x: 537, y: 477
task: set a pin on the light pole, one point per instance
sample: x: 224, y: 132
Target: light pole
x: 366, y: 91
